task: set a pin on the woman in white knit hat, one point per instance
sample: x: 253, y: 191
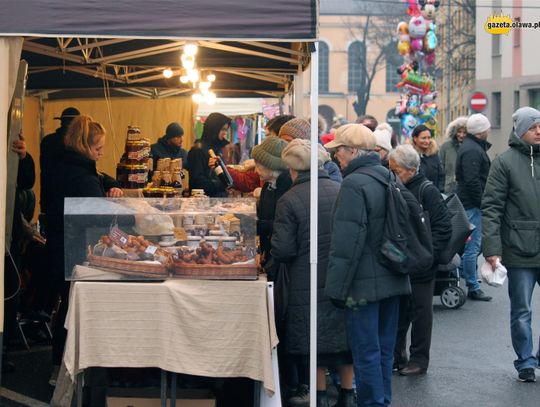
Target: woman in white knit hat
x: 290, y: 245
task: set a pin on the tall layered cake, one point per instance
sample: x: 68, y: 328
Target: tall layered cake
x: 132, y: 170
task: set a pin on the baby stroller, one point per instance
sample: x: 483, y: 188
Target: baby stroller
x: 447, y: 284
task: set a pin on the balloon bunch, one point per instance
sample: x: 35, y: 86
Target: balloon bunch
x: 417, y: 42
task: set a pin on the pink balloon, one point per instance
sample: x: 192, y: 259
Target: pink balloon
x: 417, y: 44
x: 430, y: 58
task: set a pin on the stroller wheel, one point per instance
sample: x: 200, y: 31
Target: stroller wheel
x: 462, y: 295
x: 452, y: 297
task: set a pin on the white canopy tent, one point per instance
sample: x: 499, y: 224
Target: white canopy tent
x: 89, y: 27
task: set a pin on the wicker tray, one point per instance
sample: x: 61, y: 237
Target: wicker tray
x: 215, y: 272
x: 128, y: 267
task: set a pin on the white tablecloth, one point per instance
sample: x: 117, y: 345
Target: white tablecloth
x: 206, y: 328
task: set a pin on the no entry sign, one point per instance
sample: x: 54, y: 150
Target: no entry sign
x: 478, y: 102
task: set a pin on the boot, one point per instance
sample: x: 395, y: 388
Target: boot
x: 322, y: 399
x: 301, y: 397
x: 346, y: 398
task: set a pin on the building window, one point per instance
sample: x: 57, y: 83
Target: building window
x: 357, y: 62
x: 392, y: 76
x: 516, y: 100
x: 496, y: 97
x: 517, y: 34
x: 534, y: 98
x: 323, y: 67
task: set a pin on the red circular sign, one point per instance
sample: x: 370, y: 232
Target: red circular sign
x: 478, y: 102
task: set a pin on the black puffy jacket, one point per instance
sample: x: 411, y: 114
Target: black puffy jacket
x: 354, y: 271
x: 200, y: 175
x: 472, y: 169
x: 290, y: 244
x: 439, y: 218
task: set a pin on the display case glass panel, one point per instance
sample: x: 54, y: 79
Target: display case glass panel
x: 159, y: 238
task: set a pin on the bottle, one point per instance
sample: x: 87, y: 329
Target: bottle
x: 177, y: 183
x: 221, y: 170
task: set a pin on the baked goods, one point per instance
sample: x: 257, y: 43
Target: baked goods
x: 132, y: 170
x: 207, y: 254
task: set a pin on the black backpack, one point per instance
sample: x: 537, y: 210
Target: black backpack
x: 407, y: 246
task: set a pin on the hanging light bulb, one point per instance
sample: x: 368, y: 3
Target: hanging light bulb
x: 210, y: 98
x: 211, y: 77
x: 193, y: 75
x: 190, y: 49
x: 168, y: 73
x: 184, y: 79
x: 204, y: 86
x: 197, y: 98
x: 188, y: 61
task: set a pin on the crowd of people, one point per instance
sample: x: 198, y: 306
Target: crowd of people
x: 365, y: 308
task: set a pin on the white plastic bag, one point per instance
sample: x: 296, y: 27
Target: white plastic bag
x: 495, y: 277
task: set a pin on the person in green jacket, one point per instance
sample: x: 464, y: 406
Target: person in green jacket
x: 455, y: 133
x: 511, y: 229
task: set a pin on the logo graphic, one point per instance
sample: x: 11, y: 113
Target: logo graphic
x: 498, y: 24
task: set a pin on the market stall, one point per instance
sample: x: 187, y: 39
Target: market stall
x: 75, y: 49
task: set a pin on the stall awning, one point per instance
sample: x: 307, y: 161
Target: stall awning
x: 275, y: 20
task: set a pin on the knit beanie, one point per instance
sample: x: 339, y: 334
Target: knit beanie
x: 524, y: 118
x: 384, y: 139
x: 296, y: 128
x: 173, y: 130
x: 268, y: 153
x: 297, y: 155
x: 477, y: 123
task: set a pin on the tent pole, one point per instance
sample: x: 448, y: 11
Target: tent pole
x: 313, y: 232
x: 298, y: 101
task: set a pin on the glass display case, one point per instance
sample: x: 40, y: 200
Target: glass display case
x: 159, y: 238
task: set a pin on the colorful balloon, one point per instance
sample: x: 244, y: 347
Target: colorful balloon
x: 417, y: 44
x: 428, y: 11
x: 404, y: 47
x: 404, y: 37
x: 413, y: 9
x: 430, y: 59
x: 408, y: 123
x: 430, y: 41
x: 403, y: 28
x: 417, y: 27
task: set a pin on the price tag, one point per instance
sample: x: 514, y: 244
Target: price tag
x: 151, y: 249
x: 119, y: 237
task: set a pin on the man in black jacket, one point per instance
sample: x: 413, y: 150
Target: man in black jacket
x: 51, y: 149
x: 416, y: 310
x: 472, y: 169
x: 170, y: 145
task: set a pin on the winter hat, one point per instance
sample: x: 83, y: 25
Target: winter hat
x: 353, y: 135
x: 268, y: 153
x: 297, y: 155
x: 68, y: 114
x: 455, y: 125
x: 385, y: 126
x: 524, y: 118
x: 477, y: 123
x: 296, y: 128
x: 173, y: 130
x: 384, y: 138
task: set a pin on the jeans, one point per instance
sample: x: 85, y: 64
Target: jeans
x: 372, y: 334
x: 472, y: 250
x: 521, y: 282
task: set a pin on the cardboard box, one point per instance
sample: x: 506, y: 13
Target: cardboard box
x: 151, y: 398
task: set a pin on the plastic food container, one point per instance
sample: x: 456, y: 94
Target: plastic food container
x: 229, y: 242
x: 193, y: 241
